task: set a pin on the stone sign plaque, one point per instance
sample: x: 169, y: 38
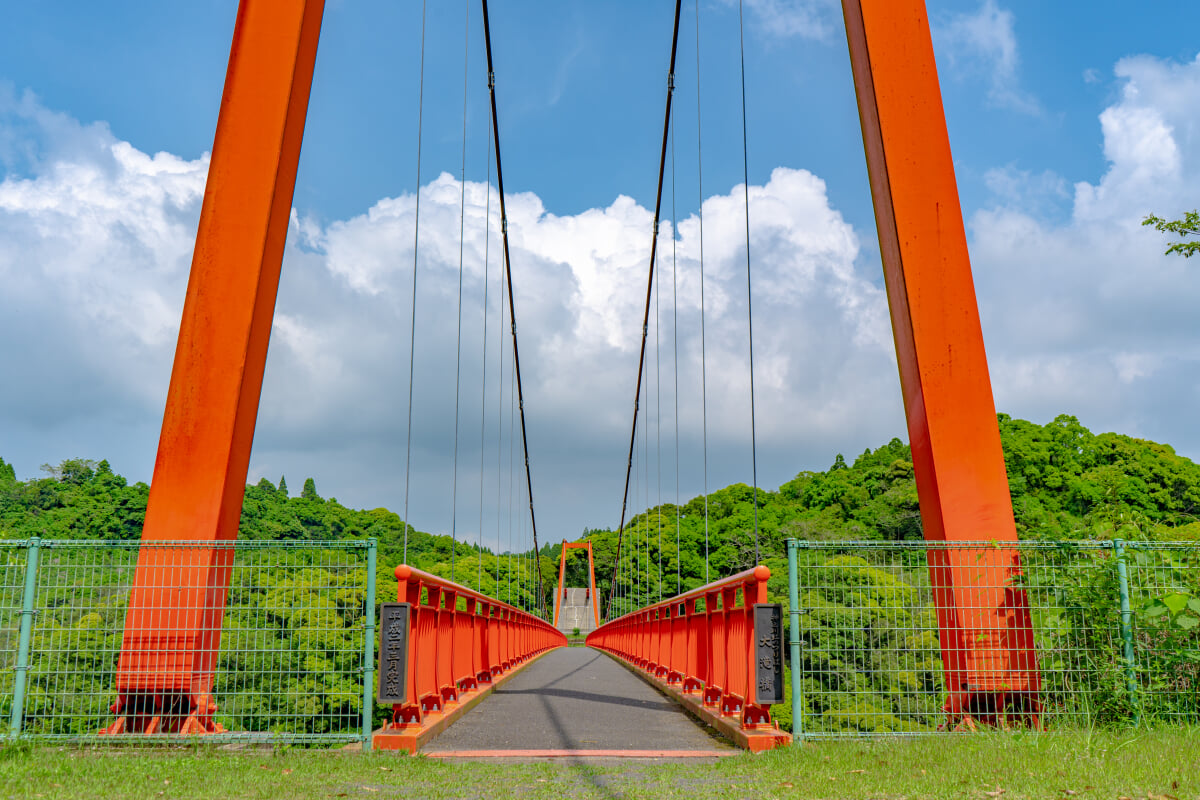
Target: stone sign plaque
x: 393, y: 652
x: 768, y: 653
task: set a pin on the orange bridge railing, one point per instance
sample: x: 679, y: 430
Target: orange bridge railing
x: 700, y: 648
x: 457, y: 645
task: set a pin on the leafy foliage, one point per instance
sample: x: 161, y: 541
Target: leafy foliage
x: 1189, y: 225
x: 1066, y: 484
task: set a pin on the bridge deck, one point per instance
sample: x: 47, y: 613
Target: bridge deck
x: 577, y: 699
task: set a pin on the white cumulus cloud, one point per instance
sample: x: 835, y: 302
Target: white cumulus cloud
x: 95, y: 246
x: 985, y: 42
x: 1088, y: 316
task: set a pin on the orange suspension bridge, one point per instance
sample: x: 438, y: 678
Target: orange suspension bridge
x: 448, y: 653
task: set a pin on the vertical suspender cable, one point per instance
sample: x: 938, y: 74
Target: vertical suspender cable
x: 512, y: 312
x: 749, y: 303
x: 635, y: 523
x: 416, y: 242
x: 487, y: 228
x: 658, y: 406
x: 675, y: 342
x: 511, y: 448
x: 662, y: 162
x: 703, y: 352
x: 500, y: 434
x: 646, y: 477
x: 462, y: 220
x: 646, y: 492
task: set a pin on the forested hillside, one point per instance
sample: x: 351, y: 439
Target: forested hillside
x: 1066, y: 483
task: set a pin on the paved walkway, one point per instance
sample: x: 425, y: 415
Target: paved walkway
x: 576, y: 699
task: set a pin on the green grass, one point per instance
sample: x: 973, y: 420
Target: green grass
x: 1134, y: 765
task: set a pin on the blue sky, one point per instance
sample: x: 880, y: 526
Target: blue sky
x: 1068, y: 122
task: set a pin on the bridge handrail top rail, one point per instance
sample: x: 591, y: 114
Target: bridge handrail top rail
x: 758, y: 574
x: 995, y: 544
x: 405, y: 573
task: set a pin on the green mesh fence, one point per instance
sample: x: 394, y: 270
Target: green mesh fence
x: 292, y: 660
x: 1114, y: 629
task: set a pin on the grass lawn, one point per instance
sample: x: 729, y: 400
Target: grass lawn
x: 1134, y: 765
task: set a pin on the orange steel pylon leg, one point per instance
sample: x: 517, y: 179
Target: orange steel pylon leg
x: 173, y: 625
x: 984, y: 621
x: 562, y: 576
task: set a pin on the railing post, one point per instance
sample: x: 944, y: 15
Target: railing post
x: 1118, y: 546
x: 20, y: 679
x: 794, y: 640
x: 368, y: 709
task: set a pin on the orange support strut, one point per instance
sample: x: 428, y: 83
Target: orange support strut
x: 986, y: 637
x: 173, y: 625
x: 562, y: 576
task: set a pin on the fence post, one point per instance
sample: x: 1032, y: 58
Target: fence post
x: 1118, y: 546
x: 369, y: 649
x: 20, y: 679
x: 794, y: 641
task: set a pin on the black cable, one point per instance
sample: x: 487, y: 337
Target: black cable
x: 675, y: 342
x: 462, y: 228
x: 749, y: 304
x: 512, y: 311
x: 416, y: 242
x: 703, y: 335
x: 662, y: 163
x: 487, y: 238
x: 658, y: 397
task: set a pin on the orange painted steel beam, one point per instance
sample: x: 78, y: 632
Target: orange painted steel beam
x: 959, y: 464
x: 456, y: 656
x: 702, y: 657
x: 173, y: 626
x: 562, y: 576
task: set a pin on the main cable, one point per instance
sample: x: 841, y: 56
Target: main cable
x: 512, y: 312
x: 662, y: 162
x: 416, y: 243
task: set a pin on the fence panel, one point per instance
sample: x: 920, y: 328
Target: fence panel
x: 13, y: 555
x: 870, y: 662
x: 291, y: 660
x: 1164, y: 601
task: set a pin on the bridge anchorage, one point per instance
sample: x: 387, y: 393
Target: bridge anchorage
x: 715, y: 649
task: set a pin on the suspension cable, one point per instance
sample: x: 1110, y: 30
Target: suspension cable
x: 646, y: 477
x: 416, y: 243
x: 749, y: 302
x: 650, y: 280
x: 658, y: 406
x: 511, y: 448
x: 512, y: 313
x: 500, y: 432
x: 703, y: 345
x: 675, y: 342
x: 462, y: 227
x: 487, y: 236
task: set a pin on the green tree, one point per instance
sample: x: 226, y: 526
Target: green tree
x: 1189, y: 225
x: 309, y: 492
x: 283, y: 490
